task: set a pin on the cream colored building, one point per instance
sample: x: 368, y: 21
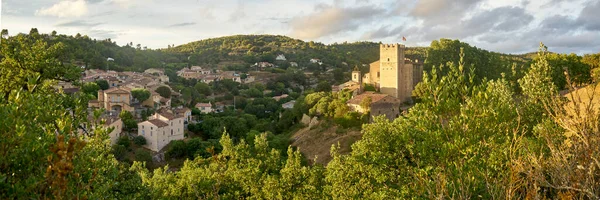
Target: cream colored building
x: 205, y: 107
x: 115, y: 99
x: 160, y: 129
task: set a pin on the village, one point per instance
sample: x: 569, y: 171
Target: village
x: 161, y: 115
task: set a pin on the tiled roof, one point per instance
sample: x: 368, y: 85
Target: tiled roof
x: 158, y: 122
x: 203, y: 105
x: 374, y: 97
x: 167, y: 115
x: 116, y: 91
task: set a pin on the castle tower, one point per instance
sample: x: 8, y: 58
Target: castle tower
x: 395, y: 76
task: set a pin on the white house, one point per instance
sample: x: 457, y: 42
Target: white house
x: 160, y: 129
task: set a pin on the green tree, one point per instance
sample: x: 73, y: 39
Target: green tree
x: 203, y: 88
x: 141, y: 94
x: 90, y: 88
x: 139, y: 140
x: 29, y: 60
x: 323, y: 86
x: 129, y: 122
x: 164, y: 91
x: 103, y: 84
x: 143, y: 155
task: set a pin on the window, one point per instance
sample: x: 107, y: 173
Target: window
x: 143, y: 132
x: 163, y: 132
x: 151, y: 128
x: 171, y: 123
x: 388, y: 59
x: 150, y: 133
x: 171, y: 131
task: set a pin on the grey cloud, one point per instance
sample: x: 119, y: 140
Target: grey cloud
x: 382, y: 32
x: 78, y: 23
x: 182, y: 24
x: 442, y: 11
x: 103, y: 34
x: 500, y: 19
x: 590, y: 16
x: 559, y: 24
x: 332, y: 19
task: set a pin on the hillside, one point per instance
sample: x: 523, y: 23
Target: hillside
x: 316, y: 142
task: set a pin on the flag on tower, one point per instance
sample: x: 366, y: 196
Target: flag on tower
x: 403, y: 38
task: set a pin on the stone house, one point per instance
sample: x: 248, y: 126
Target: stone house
x: 381, y: 104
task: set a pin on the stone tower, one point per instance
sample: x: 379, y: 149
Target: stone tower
x: 395, y: 76
x: 357, y: 77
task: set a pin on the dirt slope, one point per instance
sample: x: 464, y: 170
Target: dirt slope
x: 317, y: 142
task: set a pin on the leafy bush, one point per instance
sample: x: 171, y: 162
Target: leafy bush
x: 139, y: 140
x: 124, y: 141
x: 164, y: 91
x: 119, y: 151
x: 143, y: 155
x: 177, y: 149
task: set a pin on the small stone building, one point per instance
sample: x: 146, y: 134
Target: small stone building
x: 381, y: 104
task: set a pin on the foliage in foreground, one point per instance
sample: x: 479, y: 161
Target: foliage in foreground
x: 466, y: 139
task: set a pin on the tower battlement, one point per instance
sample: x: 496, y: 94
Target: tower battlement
x: 392, y: 46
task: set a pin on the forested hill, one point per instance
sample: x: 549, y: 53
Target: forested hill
x: 253, y: 48
x: 244, y: 50
x: 265, y: 48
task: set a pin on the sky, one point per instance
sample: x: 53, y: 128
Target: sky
x: 508, y: 26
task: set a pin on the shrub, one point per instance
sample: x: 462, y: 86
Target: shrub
x: 139, y: 140
x: 119, y: 151
x: 177, y: 149
x: 143, y: 156
x: 124, y: 140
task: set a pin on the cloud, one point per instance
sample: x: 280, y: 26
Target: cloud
x: 183, y: 24
x: 435, y: 12
x: 382, y: 32
x: 206, y: 13
x: 124, y: 3
x: 103, y: 34
x: 499, y: 19
x: 77, y: 23
x: 65, y: 8
x: 590, y: 15
x: 238, y: 13
x: 328, y: 20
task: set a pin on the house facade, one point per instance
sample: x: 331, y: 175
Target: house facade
x: 115, y: 99
x: 160, y: 129
x: 205, y: 107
